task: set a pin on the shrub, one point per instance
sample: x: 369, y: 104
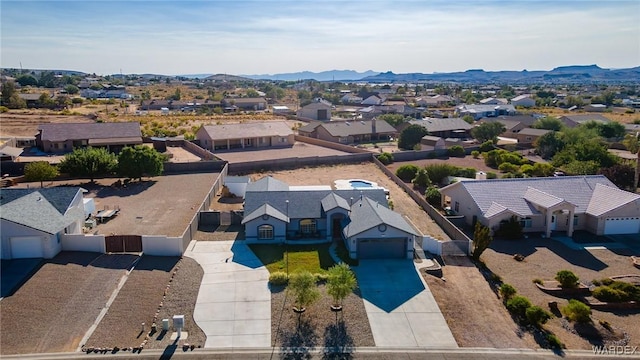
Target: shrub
x: 567, y: 279
x: 607, y: 294
x: 507, y: 291
x: 537, y: 315
x: 486, y: 146
x: 508, y: 167
x: 432, y: 194
x: 278, y: 278
x: 511, y: 229
x: 456, y: 151
x: 407, y: 172
x: 321, y: 277
x: 475, y: 154
x: 3, y: 109
x: 438, y: 172
x: 518, y: 306
x: 385, y: 158
x: 466, y: 172
x: 491, y: 175
x: 577, y: 311
x: 421, y: 179
x: 554, y: 342
x: 538, y: 281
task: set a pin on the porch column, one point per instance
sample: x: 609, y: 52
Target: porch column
x: 242, y: 142
x: 570, y: 231
x: 547, y: 226
x: 228, y: 146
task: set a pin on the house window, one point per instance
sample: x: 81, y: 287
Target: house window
x: 575, y: 220
x: 456, y: 207
x: 308, y: 226
x: 528, y: 138
x: 265, y: 232
x: 526, y: 222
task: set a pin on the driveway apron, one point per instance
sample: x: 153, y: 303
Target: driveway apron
x: 401, y: 309
x: 234, y: 303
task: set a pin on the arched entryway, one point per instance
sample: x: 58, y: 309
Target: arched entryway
x: 335, y: 226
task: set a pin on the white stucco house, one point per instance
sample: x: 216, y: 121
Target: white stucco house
x: 276, y: 213
x: 33, y: 220
x: 523, y: 100
x: 566, y: 203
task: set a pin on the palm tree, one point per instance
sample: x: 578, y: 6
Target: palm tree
x: 340, y: 284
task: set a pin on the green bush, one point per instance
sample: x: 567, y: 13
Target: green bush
x: 321, y: 277
x: 577, y: 311
x: 518, y: 306
x: 486, y: 146
x: 278, y: 278
x: 537, y: 315
x: 466, y: 172
x: 607, y: 294
x: 407, y: 172
x: 538, y: 281
x: 567, y: 279
x: 432, y: 195
x: 554, y: 342
x: 438, y: 172
x: 456, y: 151
x: 507, y: 291
x: 475, y: 154
x: 508, y: 167
x: 385, y: 158
x: 3, y: 109
x: 491, y: 175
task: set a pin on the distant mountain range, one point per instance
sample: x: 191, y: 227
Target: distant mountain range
x: 337, y: 75
x: 563, y: 74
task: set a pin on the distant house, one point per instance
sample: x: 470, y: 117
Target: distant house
x: 523, y: 100
x: 319, y: 109
x: 32, y: 100
x: 246, y: 104
x: 564, y: 203
x: 65, y: 137
x: 513, y: 124
x: 351, y: 99
x: 493, y: 101
x: 349, y: 132
x: 595, y: 107
x: 275, y: 212
x: 106, y: 92
x: 575, y: 120
x: 281, y: 109
x: 528, y: 136
x: 443, y: 127
x: 372, y: 100
x: 245, y: 135
x: 429, y: 142
x: 33, y: 220
x: 480, y: 111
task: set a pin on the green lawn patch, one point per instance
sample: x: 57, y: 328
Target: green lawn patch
x: 313, y: 258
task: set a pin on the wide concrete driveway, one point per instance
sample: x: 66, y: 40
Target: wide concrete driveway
x: 234, y: 303
x: 400, y: 306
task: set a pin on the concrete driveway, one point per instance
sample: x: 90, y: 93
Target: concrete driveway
x: 234, y: 303
x: 400, y: 306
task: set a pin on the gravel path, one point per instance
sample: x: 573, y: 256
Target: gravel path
x: 54, y: 309
x: 318, y: 325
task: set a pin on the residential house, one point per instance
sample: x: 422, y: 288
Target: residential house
x: 443, y: 127
x: 512, y: 124
x: 575, y: 120
x: 632, y: 128
x: 429, y: 142
x: 523, y: 100
x: 249, y: 135
x: 106, y: 92
x: 595, y: 108
x: 275, y: 212
x: 434, y: 101
x: 281, y: 109
x: 33, y: 220
x: 65, y: 137
x: 246, y: 104
x: 529, y: 136
x: 372, y: 100
x: 494, y: 101
x: 32, y: 100
x: 319, y: 109
x: 351, y: 99
x: 349, y: 132
x: 564, y: 203
x: 480, y: 111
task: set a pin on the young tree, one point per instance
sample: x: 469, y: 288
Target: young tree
x: 548, y: 145
x: 136, y: 162
x: 411, y: 136
x: 567, y: 279
x: 421, y: 180
x: 548, y: 123
x: 488, y: 131
x: 40, y: 171
x: 89, y: 162
x: 341, y: 283
x: 303, y: 286
x: 621, y: 175
x: 481, y: 240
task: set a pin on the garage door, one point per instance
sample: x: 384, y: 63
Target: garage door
x: 622, y: 225
x: 382, y: 248
x: 26, y: 247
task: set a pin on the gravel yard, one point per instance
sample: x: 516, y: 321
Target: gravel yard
x: 543, y: 259
x: 54, y: 309
x: 318, y: 325
x: 326, y: 175
x: 473, y: 311
x: 299, y: 149
x: 136, y: 303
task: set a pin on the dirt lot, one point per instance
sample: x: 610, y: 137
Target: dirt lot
x: 23, y: 123
x: 299, y: 149
x: 543, y: 259
x: 467, y: 161
x: 54, y: 309
x: 326, y: 175
x: 473, y: 311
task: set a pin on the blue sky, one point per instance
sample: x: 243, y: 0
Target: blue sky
x: 259, y: 37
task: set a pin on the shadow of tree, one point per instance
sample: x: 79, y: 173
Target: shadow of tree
x: 338, y: 344
x: 297, y: 343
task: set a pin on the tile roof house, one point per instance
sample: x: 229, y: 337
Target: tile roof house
x: 483, y: 110
x: 443, y: 127
x: 275, y: 212
x: 348, y: 132
x: 64, y: 137
x: 245, y: 135
x: 529, y: 135
x: 34, y: 219
x: 575, y: 120
x: 247, y: 104
x: 565, y: 203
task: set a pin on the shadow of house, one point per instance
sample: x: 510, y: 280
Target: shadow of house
x: 390, y: 287
x: 243, y: 255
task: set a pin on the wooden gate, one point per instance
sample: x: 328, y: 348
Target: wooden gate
x: 123, y: 243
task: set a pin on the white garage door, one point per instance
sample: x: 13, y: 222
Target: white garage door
x: 622, y: 225
x: 26, y: 247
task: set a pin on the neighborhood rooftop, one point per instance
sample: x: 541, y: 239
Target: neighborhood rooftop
x: 80, y: 131
x: 248, y: 130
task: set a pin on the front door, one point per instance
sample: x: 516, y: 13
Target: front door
x: 552, y: 226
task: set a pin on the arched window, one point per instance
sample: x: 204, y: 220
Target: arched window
x: 265, y: 232
x: 308, y: 226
